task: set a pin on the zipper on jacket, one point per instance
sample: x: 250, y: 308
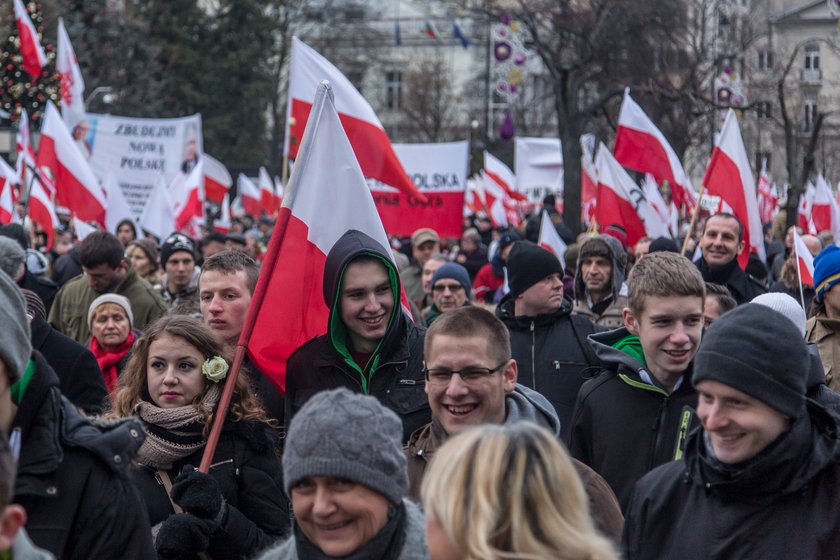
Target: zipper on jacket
x: 533, y: 359
x: 682, y: 434
x: 641, y: 385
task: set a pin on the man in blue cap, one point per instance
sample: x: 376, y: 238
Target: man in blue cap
x: 823, y: 327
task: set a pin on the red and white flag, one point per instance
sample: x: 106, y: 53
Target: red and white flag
x: 268, y: 198
x: 588, y: 179
x: 364, y: 130
x: 497, y: 204
x: 804, y: 261
x: 288, y: 307
x: 473, y: 197
x: 42, y: 211
x: 217, y: 179
x: 26, y: 153
x: 767, y: 201
x: 641, y: 146
x: 33, y: 55
x: 651, y: 190
x: 222, y: 225
x: 59, y: 158
x: 729, y: 176
x: 549, y: 238
x: 158, y: 218
x: 8, y: 177
x: 249, y: 195
x: 502, y: 175
x: 72, y: 84
x: 806, y: 203
x: 825, y: 213
x: 621, y: 201
x: 187, y: 196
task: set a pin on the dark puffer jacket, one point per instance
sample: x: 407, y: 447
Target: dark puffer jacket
x: 552, y: 354
x: 743, y: 287
x: 394, y: 373
x: 782, y: 504
x: 72, y: 477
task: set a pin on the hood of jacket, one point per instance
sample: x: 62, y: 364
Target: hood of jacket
x: 524, y: 404
x: 350, y: 246
x: 600, y: 246
x: 506, y: 311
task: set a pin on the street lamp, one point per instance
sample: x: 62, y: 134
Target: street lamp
x: 106, y: 92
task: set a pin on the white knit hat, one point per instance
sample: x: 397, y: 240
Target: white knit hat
x: 122, y: 301
x: 785, y: 305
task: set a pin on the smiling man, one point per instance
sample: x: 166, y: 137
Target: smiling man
x: 371, y: 346
x: 720, y: 244
x: 761, y: 479
x: 627, y: 419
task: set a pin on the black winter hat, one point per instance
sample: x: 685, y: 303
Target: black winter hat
x: 742, y: 349
x: 527, y: 264
x: 176, y: 242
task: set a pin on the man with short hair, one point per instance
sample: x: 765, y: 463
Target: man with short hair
x: 718, y: 301
x: 471, y: 380
x: 720, y: 245
x: 424, y: 243
x: 225, y: 286
x: 371, y: 346
x: 472, y: 254
x: 547, y: 341
x: 450, y: 290
x: 598, y: 282
x: 213, y: 242
x: 180, y: 278
x: 106, y: 270
x: 761, y: 479
x: 630, y: 418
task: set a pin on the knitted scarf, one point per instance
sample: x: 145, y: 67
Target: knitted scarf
x: 108, y: 360
x: 173, y: 433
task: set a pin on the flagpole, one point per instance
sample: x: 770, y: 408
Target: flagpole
x: 690, y: 232
x: 799, y: 276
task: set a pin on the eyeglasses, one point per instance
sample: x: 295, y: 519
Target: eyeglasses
x: 454, y: 288
x: 470, y: 375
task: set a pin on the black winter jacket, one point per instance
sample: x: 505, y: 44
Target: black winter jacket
x: 394, y: 374
x: 249, y: 477
x: 743, y: 287
x: 781, y: 504
x: 72, y: 478
x: 622, y: 426
x: 552, y: 354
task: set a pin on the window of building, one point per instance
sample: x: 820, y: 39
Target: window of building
x: 812, y: 57
x: 809, y: 116
x: 764, y: 109
x: 761, y: 157
x: 393, y: 89
x: 764, y: 59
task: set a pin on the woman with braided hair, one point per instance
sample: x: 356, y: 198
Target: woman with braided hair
x: 172, y: 383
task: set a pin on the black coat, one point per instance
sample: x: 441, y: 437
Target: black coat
x: 553, y: 355
x: 396, y: 379
x: 72, y: 478
x: 41, y: 285
x: 783, y: 505
x: 78, y: 372
x: 743, y: 287
x: 622, y: 426
x: 248, y: 473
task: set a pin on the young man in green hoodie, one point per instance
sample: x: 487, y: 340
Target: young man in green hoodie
x: 634, y: 415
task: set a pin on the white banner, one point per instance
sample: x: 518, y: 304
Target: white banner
x: 139, y: 151
x: 538, y: 163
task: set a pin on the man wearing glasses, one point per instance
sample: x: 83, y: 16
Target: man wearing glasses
x: 470, y: 381
x: 450, y: 290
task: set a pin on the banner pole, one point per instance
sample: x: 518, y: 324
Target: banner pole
x: 690, y: 232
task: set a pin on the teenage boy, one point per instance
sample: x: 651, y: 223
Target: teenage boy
x: 628, y: 419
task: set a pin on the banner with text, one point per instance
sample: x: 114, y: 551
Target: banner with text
x: 440, y: 172
x: 138, y: 151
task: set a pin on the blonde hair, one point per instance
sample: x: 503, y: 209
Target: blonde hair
x: 505, y: 492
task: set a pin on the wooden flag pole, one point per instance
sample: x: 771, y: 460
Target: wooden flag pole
x: 690, y: 232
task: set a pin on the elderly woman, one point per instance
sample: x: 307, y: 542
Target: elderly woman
x: 110, y: 322
x: 173, y: 382
x: 345, y: 472
x: 143, y: 254
x: 524, y: 501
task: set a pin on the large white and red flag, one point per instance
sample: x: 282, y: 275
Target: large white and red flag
x: 825, y: 214
x: 42, y: 210
x: 33, y: 55
x: 588, y: 178
x: 651, y: 190
x: 496, y: 170
x: 217, y: 179
x: 249, y: 195
x: 72, y: 84
x: 730, y: 177
x: 804, y: 261
x: 621, y: 201
x: 8, y: 177
x: 367, y: 137
x: 60, y: 159
x: 288, y: 307
x: 806, y: 203
x: 222, y: 225
x: 26, y: 154
x: 187, y: 195
x: 158, y: 217
x: 767, y: 201
x: 550, y: 239
x: 268, y: 198
x: 499, y: 207
x: 641, y: 146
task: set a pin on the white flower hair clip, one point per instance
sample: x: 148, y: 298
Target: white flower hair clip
x: 215, y: 369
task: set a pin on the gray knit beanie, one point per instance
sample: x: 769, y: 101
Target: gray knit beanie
x: 116, y: 299
x: 346, y: 435
x: 15, y: 343
x: 12, y: 256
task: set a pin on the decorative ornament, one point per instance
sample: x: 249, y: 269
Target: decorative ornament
x: 215, y: 369
x: 507, y: 130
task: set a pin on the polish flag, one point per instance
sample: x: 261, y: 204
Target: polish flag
x: 72, y: 84
x: 26, y: 153
x: 279, y: 189
x: 621, y: 201
x: 59, y: 157
x: 651, y: 190
x: 42, y: 210
x: 8, y: 177
x: 641, y: 146
x: 268, y: 198
x: 473, y: 197
x: 588, y: 178
x: 217, y: 180
x: 288, y: 306
x: 825, y: 213
x: 767, y: 201
x: 249, y: 195
x: 549, y: 238
x: 222, y: 225
x: 806, y: 203
x: 158, y: 217
x: 118, y: 208
x: 496, y: 201
x: 187, y: 196
x: 502, y: 175
x: 729, y: 176
x: 804, y: 261
x: 33, y: 55
x: 82, y: 228
x: 367, y: 136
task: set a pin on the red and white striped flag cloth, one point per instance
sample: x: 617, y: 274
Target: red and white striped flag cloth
x: 26, y: 155
x: 249, y: 195
x: 367, y: 137
x: 8, y: 177
x: 59, y: 157
x: 806, y: 202
x: 42, y: 210
x: 72, y: 84
x: 187, y: 195
x: 499, y: 206
x: 651, y: 190
x: 804, y: 261
x: 729, y: 176
x: 33, y: 55
x: 641, y: 146
x: 288, y: 307
x: 825, y: 213
x: 217, y: 179
x: 588, y: 179
x: 767, y: 202
x: 502, y: 175
x: 222, y: 225
x: 549, y: 238
x: 268, y: 198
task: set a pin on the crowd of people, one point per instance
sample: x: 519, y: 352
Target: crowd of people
x: 475, y: 398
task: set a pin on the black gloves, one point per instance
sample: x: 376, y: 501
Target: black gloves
x: 181, y: 537
x: 198, y: 493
